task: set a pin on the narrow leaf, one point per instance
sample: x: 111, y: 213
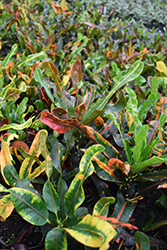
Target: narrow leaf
x: 9, y: 56
x: 31, y: 59
x: 75, y: 194
x: 16, y: 126
x: 5, y: 158
x: 135, y: 71
x: 35, y: 150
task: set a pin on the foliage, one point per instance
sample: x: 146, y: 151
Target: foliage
x: 83, y: 111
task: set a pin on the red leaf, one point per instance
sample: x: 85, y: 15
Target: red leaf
x: 76, y: 73
x: 54, y: 122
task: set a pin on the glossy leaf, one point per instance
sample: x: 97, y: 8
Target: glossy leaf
x: 93, y: 232
x: 142, y: 241
x: 102, y: 206
x: 51, y: 197
x: 29, y: 206
x: 75, y: 194
x: 56, y: 239
x: 155, y: 175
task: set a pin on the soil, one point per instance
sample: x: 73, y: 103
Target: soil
x: 17, y: 234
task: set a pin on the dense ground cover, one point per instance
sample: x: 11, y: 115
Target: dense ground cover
x: 83, y: 127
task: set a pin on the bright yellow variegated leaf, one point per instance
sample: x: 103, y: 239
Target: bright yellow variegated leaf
x: 6, y: 207
x: 93, y: 232
x: 162, y: 67
x: 5, y: 157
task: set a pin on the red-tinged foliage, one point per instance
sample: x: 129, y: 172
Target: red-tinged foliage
x: 116, y: 223
x: 76, y: 73
x: 115, y: 164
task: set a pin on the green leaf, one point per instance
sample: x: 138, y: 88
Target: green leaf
x: 93, y: 232
x: 161, y: 67
x: 126, y: 144
x: 15, y: 126
x: 22, y: 106
x: 45, y: 153
x: 140, y: 142
x: 145, y: 107
x: 35, y: 150
x: 56, y: 239
x: 163, y: 119
x: 14, y: 180
x: 3, y: 189
x: 142, y: 241
x: 156, y: 225
x: 5, y: 158
x: 39, y: 78
x: 132, y: 105
x: 62, y: 189
x: 123, y: 209
x: 97, y: 108
x: 31, y: 59
x: 152, y: 161
x: 9, y: 56
x: 110, y: 150
x: 75, y: 194
x: 51, y: 197
x: 29, y: 206
x: 155, y: 176
x: 102, y: 206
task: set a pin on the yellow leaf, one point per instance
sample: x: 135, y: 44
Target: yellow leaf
x: 93, y: 232
x: 5, y: 157
x: 63, y: 5
x: 162, y: 67
x: 6, y: 207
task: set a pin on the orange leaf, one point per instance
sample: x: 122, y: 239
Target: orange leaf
x: 115, y: 164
